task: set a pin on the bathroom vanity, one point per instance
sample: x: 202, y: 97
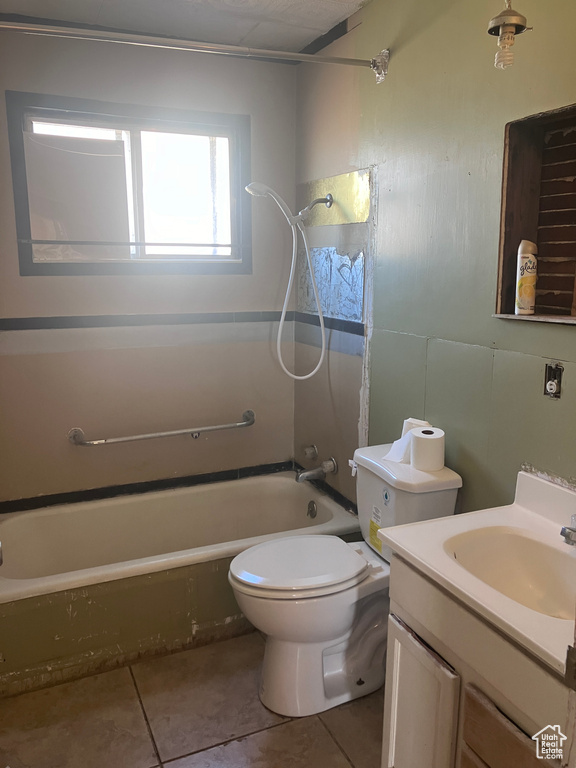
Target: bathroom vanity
x: 482, y: 612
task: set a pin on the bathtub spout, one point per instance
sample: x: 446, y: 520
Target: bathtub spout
x: 318, y: 473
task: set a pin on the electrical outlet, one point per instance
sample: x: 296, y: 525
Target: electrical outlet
x: 553, y: 380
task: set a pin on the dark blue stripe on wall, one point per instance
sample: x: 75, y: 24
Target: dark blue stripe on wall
x: 112, y: 321
x: 97, y: 494
x: 197, y: 318
x: 108, y: 492
x: 334, y: 323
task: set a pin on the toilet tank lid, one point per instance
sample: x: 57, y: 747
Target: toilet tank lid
x: 298, y: 562
x: 404, y: 476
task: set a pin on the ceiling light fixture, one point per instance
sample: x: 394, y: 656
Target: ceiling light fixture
x: 506, y: 25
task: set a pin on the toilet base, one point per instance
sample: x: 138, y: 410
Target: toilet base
x: 300, y: 679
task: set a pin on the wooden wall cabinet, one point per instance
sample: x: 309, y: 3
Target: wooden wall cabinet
x: 539, y: 204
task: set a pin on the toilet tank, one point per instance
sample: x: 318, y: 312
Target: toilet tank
x: 390, y: 493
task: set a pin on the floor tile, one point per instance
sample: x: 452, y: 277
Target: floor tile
x: 301, y: 743
x: 357, y: 728
x: 203, y: 697
x: 89, y: 723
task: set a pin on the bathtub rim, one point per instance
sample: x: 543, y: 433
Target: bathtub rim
x: 343, y: 523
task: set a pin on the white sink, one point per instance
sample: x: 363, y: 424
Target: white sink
x: 519, y: 566
x: 508, y: 564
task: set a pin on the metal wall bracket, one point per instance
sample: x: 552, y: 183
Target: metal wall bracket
x: 379, y: 65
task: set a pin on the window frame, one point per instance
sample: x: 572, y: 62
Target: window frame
x: 21, y: 107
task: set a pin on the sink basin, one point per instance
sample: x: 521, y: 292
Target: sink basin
x: 507, y: 564
x: 520, y: 567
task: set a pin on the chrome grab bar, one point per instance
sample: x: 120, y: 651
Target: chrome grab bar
x: 76, y: 435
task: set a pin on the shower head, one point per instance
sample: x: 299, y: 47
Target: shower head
x: 258, y: 189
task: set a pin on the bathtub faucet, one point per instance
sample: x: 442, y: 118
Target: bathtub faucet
x: 318, y: 473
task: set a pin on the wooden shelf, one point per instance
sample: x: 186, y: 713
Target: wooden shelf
x: 558, y: 319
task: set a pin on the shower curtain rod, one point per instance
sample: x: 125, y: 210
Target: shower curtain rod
x: 379, y: 64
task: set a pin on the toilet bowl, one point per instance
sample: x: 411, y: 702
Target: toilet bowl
x: 323, y: 603
x: 325, y: 633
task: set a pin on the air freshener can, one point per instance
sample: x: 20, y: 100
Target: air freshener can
x: 526, y: 275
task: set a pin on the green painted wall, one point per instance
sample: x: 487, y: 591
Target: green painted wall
x: 434, y: 133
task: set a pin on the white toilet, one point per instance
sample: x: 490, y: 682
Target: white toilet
x: 323, y: 604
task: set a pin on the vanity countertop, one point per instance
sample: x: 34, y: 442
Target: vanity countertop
x: 508, y: 564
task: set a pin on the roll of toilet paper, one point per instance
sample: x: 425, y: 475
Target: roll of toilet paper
x: 427, y: 449
x: 400, y: 450
x: 412, y: 423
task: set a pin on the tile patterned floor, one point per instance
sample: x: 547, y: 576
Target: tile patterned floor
x: 196, y: 709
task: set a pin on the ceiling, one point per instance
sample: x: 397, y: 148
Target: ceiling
x: 285, y: 25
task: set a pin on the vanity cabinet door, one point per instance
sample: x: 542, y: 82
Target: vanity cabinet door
x: 469, y: 759
x: 420, y: 705
x: 494, y: 740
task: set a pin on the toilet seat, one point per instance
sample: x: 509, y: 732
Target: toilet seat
x: 293, y: 594
x: 298, y: 567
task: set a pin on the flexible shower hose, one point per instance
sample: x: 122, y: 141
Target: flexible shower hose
x: 298, y: 226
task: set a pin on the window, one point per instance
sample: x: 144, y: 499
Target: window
x: 116, y: 189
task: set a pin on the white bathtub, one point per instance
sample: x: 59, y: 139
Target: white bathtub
x: 74, y: 545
